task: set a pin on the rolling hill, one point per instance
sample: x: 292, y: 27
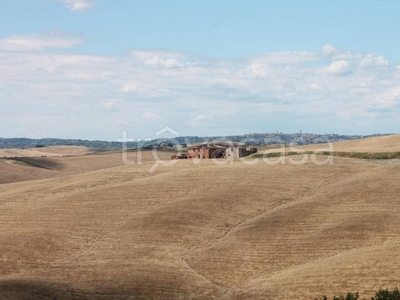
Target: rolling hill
x: 390, y: 143
x: 201, y: 231
x: 51, y: 151
x: 23, y: 165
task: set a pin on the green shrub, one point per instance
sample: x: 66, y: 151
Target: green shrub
x: 387, y: 295
x: 349, y: 296
x: 379, y: 295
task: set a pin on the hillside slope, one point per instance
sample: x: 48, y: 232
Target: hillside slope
x: 202, y: 231
x: 50, y: 151
x: 390, y: 143
x: 32, y: 168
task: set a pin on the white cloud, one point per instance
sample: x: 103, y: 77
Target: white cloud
x: 373, y: 61
x: 169, y: 63
x: 260, y: 70
x: 328, y: 50
x: 109, y: 105
x: 342, y: 59
x: 78, y: 5
x: 285, y: 57
x: 98, y: 96
x: 149, y: 116
x: 149, y: 54
x: 388, y: 98
x: 315, y: 87
x: 39, y: 42
x: 129, y: 87
x: 214, y: 115
x: 361, y: 90
x: 203, y: 117
x: 340, y: 68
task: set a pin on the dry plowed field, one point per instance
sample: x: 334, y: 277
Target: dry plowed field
x: 200, y: 231
x: 16, y: 169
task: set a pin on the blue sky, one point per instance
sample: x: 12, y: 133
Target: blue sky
x: 93, y: 68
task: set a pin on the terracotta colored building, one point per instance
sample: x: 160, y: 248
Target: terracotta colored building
x: 206, y: 151
x: 219, y: 150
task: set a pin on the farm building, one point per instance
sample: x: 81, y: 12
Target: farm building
x: 206, y: 150
x: 210, y: 150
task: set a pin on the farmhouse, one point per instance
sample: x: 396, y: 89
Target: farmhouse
x: 210, y: 150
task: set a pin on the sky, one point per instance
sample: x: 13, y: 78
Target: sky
x: 91, y: 69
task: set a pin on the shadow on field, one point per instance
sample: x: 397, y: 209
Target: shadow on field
x: 38, y: 162
x: 23, y: 290
x: 40, y: 290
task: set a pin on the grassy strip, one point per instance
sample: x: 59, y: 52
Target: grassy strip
x: 363, y: 155
x: 278, y: 154
x: 359, y: 155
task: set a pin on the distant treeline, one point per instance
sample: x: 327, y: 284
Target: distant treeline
x: 250, y: 139
x: 24, y: 143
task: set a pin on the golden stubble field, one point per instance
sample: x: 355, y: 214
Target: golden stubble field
x: 62, y: 161
x: 390, y: 143
x: 201, y: 231
x: 50, y: 151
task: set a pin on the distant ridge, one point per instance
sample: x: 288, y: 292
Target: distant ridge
x: 251, y: 138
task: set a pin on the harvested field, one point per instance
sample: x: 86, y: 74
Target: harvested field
x: 202, y: 231
x: 51, y: 151
x: 390, y: 143
x: 30, y: 168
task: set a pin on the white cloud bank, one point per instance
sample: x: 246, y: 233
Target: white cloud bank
x: 88, y: 96
x: 370, y: 61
